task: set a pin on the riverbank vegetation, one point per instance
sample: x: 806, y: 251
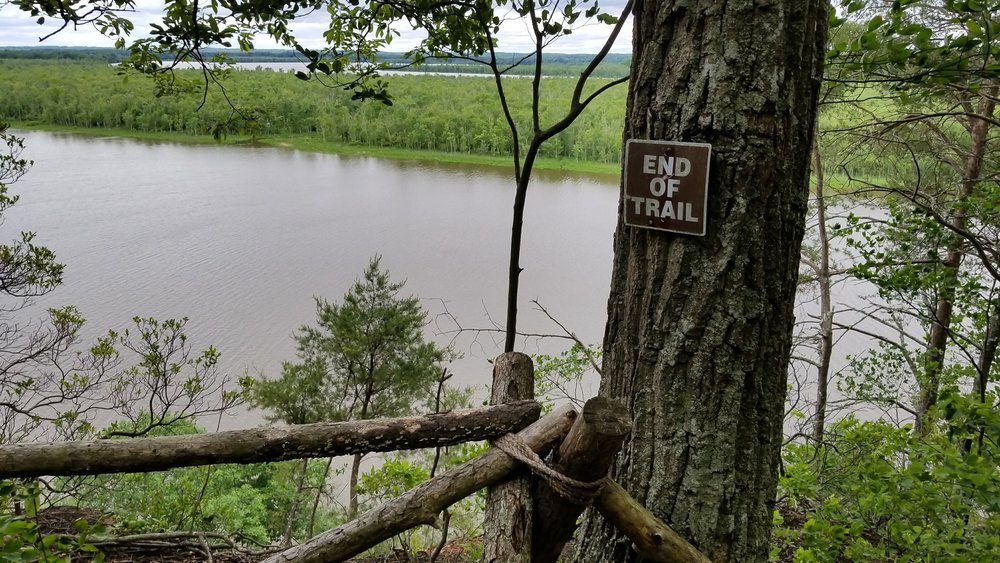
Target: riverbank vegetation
x: 555, y: 64
x: 433, y: 117
x: 457, y: 115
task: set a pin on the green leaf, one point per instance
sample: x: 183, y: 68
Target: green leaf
x: 869, y: 41
x: 607, y: 19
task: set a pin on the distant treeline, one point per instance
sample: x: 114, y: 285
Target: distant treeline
x: 555, y: 64
x: 429, y: 112
x: 63, y: 53
x: 459, y: 114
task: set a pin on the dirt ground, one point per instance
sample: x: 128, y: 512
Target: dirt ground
x: 59, y: 520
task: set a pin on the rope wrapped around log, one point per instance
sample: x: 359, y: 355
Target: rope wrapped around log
x: 578, y: 492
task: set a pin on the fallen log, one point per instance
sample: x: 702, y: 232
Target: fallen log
x: 651, y: 537
x: 585, y: 455
x: 507, y: 524
x: 422, y: 504
x: 264, y: 444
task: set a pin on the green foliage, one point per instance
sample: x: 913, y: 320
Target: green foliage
x: 365, y: 358
x: 245, y: 502
x: 907, y: 41
x: 879, y: 492
x: 46, y: 390
x: 562, y: 377
x: 169, y: 377
x: 357, y: 33
x: 440, y: 113
x: 402, y: 472
x: 394, y: 477
x: 27, y: 350
x: 21, y: 539
x: 882, y: 375
x: 911, y: 81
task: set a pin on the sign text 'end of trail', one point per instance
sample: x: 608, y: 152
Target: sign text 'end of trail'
x: 666, y: 185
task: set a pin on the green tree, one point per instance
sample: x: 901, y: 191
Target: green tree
x: 935, y: 64
x: 878, y: 492
x: 366, y: 357
x: 48, y: 392
x: 28, y: 348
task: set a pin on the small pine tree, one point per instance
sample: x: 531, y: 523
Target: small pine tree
x: 365, y: 358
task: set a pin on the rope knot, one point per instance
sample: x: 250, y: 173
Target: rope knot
x: 577, y: 492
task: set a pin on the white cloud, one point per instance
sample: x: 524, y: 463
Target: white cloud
x: 18, y: 28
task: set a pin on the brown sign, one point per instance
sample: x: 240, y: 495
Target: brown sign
x: 666, y: 185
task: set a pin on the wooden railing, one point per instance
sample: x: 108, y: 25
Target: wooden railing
x: 582, y: 446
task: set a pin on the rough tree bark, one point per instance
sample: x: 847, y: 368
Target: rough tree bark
x: 508, y: 522
x: 699, y: 328
x: 325, y: 439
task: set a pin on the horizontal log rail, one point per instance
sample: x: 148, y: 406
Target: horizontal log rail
x: 652, y: 538
x: 265, y: 444
x: 422, y: 504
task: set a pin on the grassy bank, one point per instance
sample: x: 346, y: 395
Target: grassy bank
x: 310, y: 143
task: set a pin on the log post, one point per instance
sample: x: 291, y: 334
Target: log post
x: 509, y: 511
x: 585, y: 455
x: 325, y: 439
x: 651, y: 537
x: 423, y: 503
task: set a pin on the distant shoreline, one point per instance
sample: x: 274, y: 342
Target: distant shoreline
x: 564, y: 64
x: 306, y: 143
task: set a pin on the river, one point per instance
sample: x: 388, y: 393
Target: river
x: 240, y: 239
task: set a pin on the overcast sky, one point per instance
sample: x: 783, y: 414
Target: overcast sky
x: 17, y: 28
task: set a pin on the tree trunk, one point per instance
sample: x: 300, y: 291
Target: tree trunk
x: 325, y: 439
x: 699, y: 328
x: 352, y: 506
x: 937, y: 340
x: 989, y: 352
x: 983, y: 368
x: 823, y: 279
x: 508, y: 521
x: 286, y: 539
x: 311, y: 530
